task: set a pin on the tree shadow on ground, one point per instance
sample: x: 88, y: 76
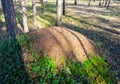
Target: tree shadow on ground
x: 48, y: 18
x: 99, y: 26
x: 109, y: 43
x: 2, y: 30
x: 95, y: 10
x: 48, y: 7
x: 12, y: 68
x: 2, y: 24
x: 51, y: 7
x: 19, y: 15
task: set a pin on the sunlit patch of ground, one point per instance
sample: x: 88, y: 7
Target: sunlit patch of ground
x: 101, y: 25
x: 97, y: 23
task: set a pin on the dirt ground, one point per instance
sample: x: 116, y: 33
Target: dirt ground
x: 104, y: 29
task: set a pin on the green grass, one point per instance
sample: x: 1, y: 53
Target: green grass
x: 14, y: 68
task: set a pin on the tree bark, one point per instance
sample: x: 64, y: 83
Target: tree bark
x: 63, y: 7
x: 42, y: 5
x: 106, y: 1
x: 24, y: 14
x: 100, y: 3
x: 59, y: 12
x: 75, y: 2
x: 34, y: 14
x: 10, y: 19
x: 108, y: 4
x: 89, y: 2
x: 103, y: 2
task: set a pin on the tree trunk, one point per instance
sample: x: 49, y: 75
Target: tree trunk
x: 10, y: 19
x: 34, y: 14
x: 89, y: 2
x: 59, y: 12
x: 75, y: 2
x: 100, y: 3
x: 63, y: 7
x: 25, y: 24
x: 105, y: 3
x: 42, y: 5
x: 108, y: 4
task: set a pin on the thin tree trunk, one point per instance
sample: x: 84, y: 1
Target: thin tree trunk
x: 42, y: 5
x: 34, y: 14
x: 59, y: 12
x: 63, y: 7
x: 100, y: 3
x: 89, y: 2
x: 56, y: 2
x: 24, y: 14
x: 108, y: 4
x: 75, y: 2
x: 105, y: 3
x: 10, y: 19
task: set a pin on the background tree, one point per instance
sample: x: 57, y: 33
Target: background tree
x: 63, y: 7
x: 89, y: 2
x: 108, y: 4
x: 24, y: 16
x: 59, y: 12
x: 10, y: 19
x: 34, y: 14
x: 106, y: 1
x: 42, y: 5
x: 75, y: 2
x: 103, y: 2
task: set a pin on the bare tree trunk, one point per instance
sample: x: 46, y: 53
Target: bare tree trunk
x: 100, y: 3
x: 24, y: 14
x: 42, y: 5
x: 63, y: 7
x: 59, y: 12
x: 75, y: 2
x: 56, y: 2
x: 89, y: 2
x: 34, y: 14
x: 105, y: 3
x: 108, y: 4
x: 10, y: 19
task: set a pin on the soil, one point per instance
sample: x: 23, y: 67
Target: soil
x: 104, y: 31
x: 61, y: 44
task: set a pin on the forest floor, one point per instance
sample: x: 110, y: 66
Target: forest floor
x: 102, y: 26
x: 97, y: 23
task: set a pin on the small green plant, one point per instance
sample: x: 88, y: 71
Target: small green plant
x: 94, y: 71
x: 44, y: 69
x: 23, y: 40
x: 14, y: 69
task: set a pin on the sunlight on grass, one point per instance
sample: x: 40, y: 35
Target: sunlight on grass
x: 43, y: 69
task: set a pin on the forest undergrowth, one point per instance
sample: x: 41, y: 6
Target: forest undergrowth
x: 99, y: 24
